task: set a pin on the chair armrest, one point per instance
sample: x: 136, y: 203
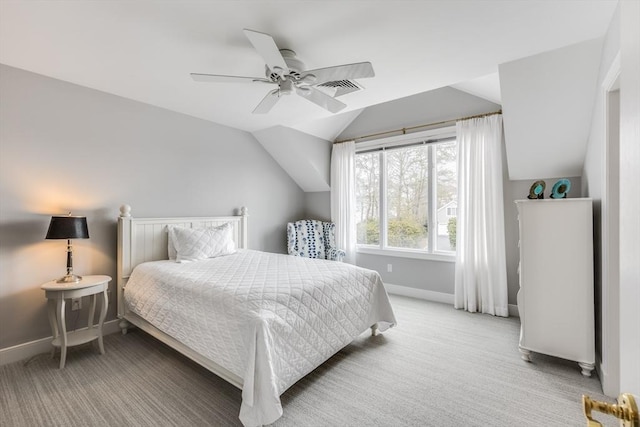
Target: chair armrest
x: 291, y: 240
x: 336, y: 254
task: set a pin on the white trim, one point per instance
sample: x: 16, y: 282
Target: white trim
x: 513, y: 311
x: 419, y: 293
x: 43, y: 345
x: 434, y: 296
x: 392, y: 141
x: 609, y: 277
x: 407, y: 253
x: 382, y: 200
x: 416, y: 138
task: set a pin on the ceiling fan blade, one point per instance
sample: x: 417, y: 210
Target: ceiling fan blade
x: 359, y: 70
x: 321, y: 99
x: 267, y: 102
x: 266, y: 47
x: 219, y: 78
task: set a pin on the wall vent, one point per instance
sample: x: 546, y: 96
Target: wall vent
x: 339, y: 87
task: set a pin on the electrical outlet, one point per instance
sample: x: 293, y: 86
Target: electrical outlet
x: 389, y: 268
x: 76, y: 304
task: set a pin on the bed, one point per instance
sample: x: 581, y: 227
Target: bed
x: 260, y: 321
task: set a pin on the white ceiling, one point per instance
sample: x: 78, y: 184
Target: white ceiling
x: 145, y: 50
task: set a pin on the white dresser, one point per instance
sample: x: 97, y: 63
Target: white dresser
x: 555, y: 299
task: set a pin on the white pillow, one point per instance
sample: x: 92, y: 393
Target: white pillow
x: 192, y: 244
x: 171, y: 247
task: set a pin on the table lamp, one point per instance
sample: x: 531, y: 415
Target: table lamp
x: 68, y: 227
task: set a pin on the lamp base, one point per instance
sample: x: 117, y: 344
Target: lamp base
x: 69, y: 278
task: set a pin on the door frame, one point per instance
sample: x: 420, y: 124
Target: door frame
x: 610, y: 241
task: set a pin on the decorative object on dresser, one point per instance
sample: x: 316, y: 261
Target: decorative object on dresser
x: 537, y: 190
x: 560, y: 189
x: 311, y: 238
x: 555, y: 299
x: 68, y: 227
x: 57, y: 293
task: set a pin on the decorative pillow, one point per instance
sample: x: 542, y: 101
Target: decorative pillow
x: 192, y: 244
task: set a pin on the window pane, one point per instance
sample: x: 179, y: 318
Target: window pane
x: 447, y: 192
x: 367, y: 198
x: 407, y: 197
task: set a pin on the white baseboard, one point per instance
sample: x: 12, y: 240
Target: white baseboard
x: 513, y: 311
x: 609, y: 388
x: 43, y: 345
x: 406, y: 291
x: 433, y: 296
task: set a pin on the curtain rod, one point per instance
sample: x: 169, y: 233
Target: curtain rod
x: 411, y: 128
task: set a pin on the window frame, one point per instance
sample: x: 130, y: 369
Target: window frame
x: 417, y: 138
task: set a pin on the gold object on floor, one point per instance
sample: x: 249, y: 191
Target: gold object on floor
x: 626, y: 410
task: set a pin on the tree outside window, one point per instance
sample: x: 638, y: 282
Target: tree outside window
x: 415, y: 189
x: 368, y: 198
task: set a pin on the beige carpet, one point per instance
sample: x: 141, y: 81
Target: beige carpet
x: 438, y: 367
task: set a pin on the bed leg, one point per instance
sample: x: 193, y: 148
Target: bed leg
x: 374, y: 329
x: 123, y: 324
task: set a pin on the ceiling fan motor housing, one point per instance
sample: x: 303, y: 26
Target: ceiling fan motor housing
x: 296, y: 66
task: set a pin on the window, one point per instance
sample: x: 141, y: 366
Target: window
x: 406, y: 193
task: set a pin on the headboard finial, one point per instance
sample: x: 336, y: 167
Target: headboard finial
x: 244, y: 211
x: 125, y: 211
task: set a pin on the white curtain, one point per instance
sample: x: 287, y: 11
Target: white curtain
x: 343, y: 197
x: 481, y: 272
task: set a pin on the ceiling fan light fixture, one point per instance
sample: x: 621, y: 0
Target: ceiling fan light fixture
x: 286, y: 87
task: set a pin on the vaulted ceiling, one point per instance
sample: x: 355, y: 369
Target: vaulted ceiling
x: 145, y: 50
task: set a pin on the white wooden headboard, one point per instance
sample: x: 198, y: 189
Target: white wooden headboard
x: 145, y: 239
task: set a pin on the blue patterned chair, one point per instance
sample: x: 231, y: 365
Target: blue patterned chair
x: 313, y: 239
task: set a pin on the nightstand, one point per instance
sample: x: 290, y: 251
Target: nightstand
x: 57, y: 293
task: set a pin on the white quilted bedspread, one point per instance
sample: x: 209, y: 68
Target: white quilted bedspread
x: 268, y: 318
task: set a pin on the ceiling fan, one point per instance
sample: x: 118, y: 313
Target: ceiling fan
x: 288, y: 73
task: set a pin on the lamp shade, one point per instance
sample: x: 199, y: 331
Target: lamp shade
x: 68, y: 227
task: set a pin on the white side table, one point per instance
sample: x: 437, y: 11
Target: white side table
x: 57, y: 293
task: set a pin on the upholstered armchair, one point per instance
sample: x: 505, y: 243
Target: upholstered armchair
x: 311, y: 238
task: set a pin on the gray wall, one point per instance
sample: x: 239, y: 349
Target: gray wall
x: 65, y: 148
x: 436, y: 276
x: 434, y: 106
x: 306, y: 158
x: 317, y: 205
